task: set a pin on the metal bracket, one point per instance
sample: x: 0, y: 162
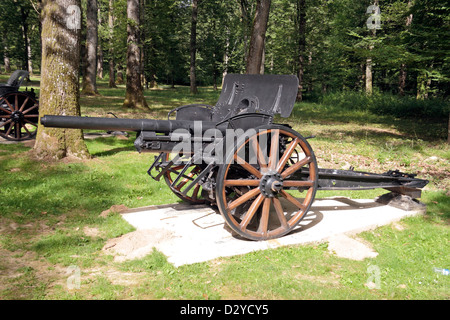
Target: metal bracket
x: 412, y: 192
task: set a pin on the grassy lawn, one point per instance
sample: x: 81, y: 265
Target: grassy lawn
x: 50, y: 223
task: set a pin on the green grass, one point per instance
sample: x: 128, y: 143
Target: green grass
x: 47, y: 208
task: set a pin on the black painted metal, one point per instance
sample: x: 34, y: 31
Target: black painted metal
x: 138, y: 125
x: 18, y: 109
x: 332, y: 179
x: 268, y: 94
x: 14, y: 82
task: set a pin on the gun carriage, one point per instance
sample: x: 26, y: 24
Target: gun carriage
x: 233, y: 156
x: 19, y: 110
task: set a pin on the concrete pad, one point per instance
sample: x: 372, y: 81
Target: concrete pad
x: 188, y: 234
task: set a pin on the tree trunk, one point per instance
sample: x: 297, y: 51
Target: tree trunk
x: 120, y: 77
x: 112, y: 77
x: 27, y: 64
x: 301, y: 21
x: 90, y: 76
x: 256, y: 49
x: 134, y: 96
x: 448, y: 131
x: 369, y: 79
x: 226, y: 54
x: 100, y: 62
x: 99, y: 49
x: 193, y: 45
x: 402, y: 75
x: 29, y: 57
x: 263, y: 60
x: 369, y: 82
x: 402, y: 79
x: 245, y: 17
x: 59, y: 93
x: 6, y: 60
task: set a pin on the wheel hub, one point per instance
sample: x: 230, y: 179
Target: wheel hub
x: 271, y: 184
x: 17, y: 116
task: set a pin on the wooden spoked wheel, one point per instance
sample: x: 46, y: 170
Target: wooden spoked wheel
x: 194, y: 195
x: 260, y: 185
x: 19, y: 114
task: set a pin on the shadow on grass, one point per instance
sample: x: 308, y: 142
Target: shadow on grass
x: 112, y: 151
x: 107, y: 146
x: 413, y: 128
x: 30, y: 189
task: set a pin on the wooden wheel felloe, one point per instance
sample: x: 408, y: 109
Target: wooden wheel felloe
x: 258, y: 184
x: 19, y: 116
x: 194, y: 195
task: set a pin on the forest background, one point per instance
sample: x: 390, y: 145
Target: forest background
x: 395, y: 47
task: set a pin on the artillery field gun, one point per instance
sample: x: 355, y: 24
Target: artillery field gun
x: 19, y: 110
x: 262, y: 176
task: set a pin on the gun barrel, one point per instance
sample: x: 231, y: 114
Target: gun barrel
x: 116, y: 124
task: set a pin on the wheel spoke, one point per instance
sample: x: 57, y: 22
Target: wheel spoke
x: 292, y: 200
x: 6, y: 122
x: 247, y: 166
x: 280, y: 212
x: 185, y: 180
x: 259, y: 154
x: 17, y: 130
x: 9, y: 129
x: 194, y: 196
x: 251, y: 212
x: 274, y: 149
x: 287, y: 154
x: 28, y: 121
x: 264, y: 221
x: 10, y: 106
x: 295, y: 167
x: 195, y: 192
x: 244, y: 198
x: 24, y: 103
x: 26, y: 129
x: 31, y: 108
x: 5, y: 110
x: 174, y: 169
x: 242, y: 182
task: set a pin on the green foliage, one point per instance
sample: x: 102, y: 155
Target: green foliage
x: 413, y: 42
x: 388, y: 104
x: 15, y: 18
